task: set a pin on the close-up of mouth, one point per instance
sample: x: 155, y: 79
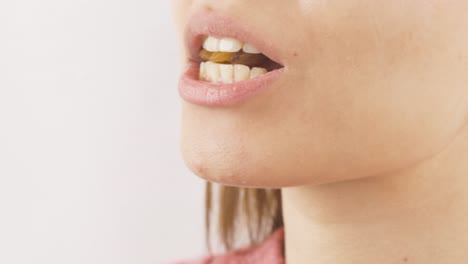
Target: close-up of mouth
x: 227, y: 62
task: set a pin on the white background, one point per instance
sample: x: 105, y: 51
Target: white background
x: 90, y: 170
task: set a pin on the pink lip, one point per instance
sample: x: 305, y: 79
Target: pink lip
x: 203, y: 93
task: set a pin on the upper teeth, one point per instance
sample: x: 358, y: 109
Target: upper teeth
x: 213, y: 44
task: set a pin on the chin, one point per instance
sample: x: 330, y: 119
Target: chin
x: 233, y: 164
x: 225, y: 160
x: 223, y: 164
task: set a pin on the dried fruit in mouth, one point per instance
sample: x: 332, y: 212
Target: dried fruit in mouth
x: 251, y: 60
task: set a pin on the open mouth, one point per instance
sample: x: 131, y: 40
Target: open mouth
x: 229, y: 60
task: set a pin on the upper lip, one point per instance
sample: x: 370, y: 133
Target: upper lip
x: 205, y: 23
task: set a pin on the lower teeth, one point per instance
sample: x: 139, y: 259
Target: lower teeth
x: 228, y: 73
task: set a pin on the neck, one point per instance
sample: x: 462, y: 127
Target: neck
x: 415, y: 215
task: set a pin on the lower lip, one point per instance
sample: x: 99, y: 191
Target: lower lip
x: 195, y: 91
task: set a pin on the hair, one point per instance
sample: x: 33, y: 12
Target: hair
x: 237, y: 211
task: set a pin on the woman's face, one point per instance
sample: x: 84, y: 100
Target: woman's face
x: 369, y: 87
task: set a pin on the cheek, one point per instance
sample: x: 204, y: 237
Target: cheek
x: 382, y: 92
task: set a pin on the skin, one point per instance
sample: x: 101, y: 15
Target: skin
x: 365, y: 132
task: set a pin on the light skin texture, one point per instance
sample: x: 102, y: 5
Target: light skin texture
x: 365, y: 132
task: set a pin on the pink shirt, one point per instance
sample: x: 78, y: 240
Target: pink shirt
x: 269, y: 251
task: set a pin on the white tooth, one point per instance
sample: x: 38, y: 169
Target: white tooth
x: 227, y: 73
x: 202, y: 72
x: 211, y: 71
x: 241, y: 72
x: 248, y: 48
x: 229, y: 45
x: 211, y: 44
x: 255, y: 72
